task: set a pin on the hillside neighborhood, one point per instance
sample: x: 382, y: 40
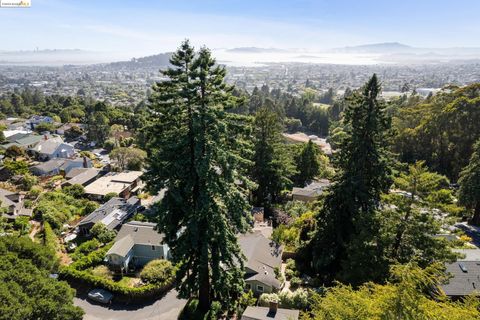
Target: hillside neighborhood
x: 239, y: 160
x: 103, y: 225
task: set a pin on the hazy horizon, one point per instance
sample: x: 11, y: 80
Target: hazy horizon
x: 152, y: 27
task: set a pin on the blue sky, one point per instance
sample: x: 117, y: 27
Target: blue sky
x: 146, y: 27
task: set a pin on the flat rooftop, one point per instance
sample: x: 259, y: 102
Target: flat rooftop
x: 113, y: 182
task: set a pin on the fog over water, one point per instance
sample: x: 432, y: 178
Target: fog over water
x: 251, y: 56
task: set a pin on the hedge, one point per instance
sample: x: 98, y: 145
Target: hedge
x: 78, y: 272
x: 49, y: 237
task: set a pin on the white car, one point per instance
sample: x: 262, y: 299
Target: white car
x: 100, y: 295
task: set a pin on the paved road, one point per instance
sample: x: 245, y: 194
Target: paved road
x: 167, y: 308
x: 471, y: 231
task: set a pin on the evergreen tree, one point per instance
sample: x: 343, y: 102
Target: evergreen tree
x: 195, y: 151
x: 98, y: 122
x: 407, y: 231
x: 469, y: 193
x: 344, y: 246
x: 271, y: 168
x: 308, y: 164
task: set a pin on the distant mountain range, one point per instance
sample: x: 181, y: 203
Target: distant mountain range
x: 396, y: 48
x: 54, y: 57
x: 255, y: 50
x: 386, y: 47
x: 387, y: 52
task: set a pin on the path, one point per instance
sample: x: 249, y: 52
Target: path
x: 286, y: 285
x: 36, y: 227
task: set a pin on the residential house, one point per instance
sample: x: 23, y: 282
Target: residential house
x: 123, y: 183
x: 52, y: 148
x: 14, y: 124
x: 9, y: 133
x: 13, y: 204
x: 136, y: 244
x: 81, y: 176
x: 465, y: 279
x: 263, y: 256
x: 311, y: 192
x: 34, y: 121
x: 22, y: 140
x: 67, y: 126
x: 465, y: 274
x: 112, y: 214
x: 60, y: 166
x: 270, y: 313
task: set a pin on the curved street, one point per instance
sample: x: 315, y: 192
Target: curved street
x: 166, y: 308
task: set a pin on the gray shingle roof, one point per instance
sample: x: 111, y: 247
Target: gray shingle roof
x: 86, y: 175
x: 262, y: 256
x: 5, y: 201
x: 470, y: 254
x: 314, y: 189
x: 49, y: 165
x: 75, y: 172
x: 133, y: 233
x: 262, y: 313
x: 465, y: 278
x: 122, y: 247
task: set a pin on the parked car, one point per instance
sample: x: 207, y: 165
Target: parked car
x: 100, y: 295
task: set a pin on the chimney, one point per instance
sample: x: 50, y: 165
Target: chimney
x: 273, y: 307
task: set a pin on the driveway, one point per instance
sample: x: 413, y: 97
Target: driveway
x: 166, y: 308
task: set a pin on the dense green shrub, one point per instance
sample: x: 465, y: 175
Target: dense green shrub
x: 295, y: 282
x: 157, y: 271
x: 102, y: 233
x: 287, y: 299
x: 76, y: 190
x: 85, y: 248
x: 110, y: 195
x: 49, y: 237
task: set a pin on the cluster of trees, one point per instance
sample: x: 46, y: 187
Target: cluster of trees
x: 206, y: 156
x: 359, y: 234
x: 439, y: 129
x: 309, y: 112
x: 278, y: 166
x: 209, y: 157
x: 404, y: 296
x: 98, y: 116
x: 26, y: 290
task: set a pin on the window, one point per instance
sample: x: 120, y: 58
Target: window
x: 248, y: 286
x: 259, y: 288
x: 153, y: 248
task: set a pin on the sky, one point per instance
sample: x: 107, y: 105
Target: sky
x: 149, y: 27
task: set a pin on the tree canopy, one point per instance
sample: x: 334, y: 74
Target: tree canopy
x: 26, y: 290
x: 347, y: 224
